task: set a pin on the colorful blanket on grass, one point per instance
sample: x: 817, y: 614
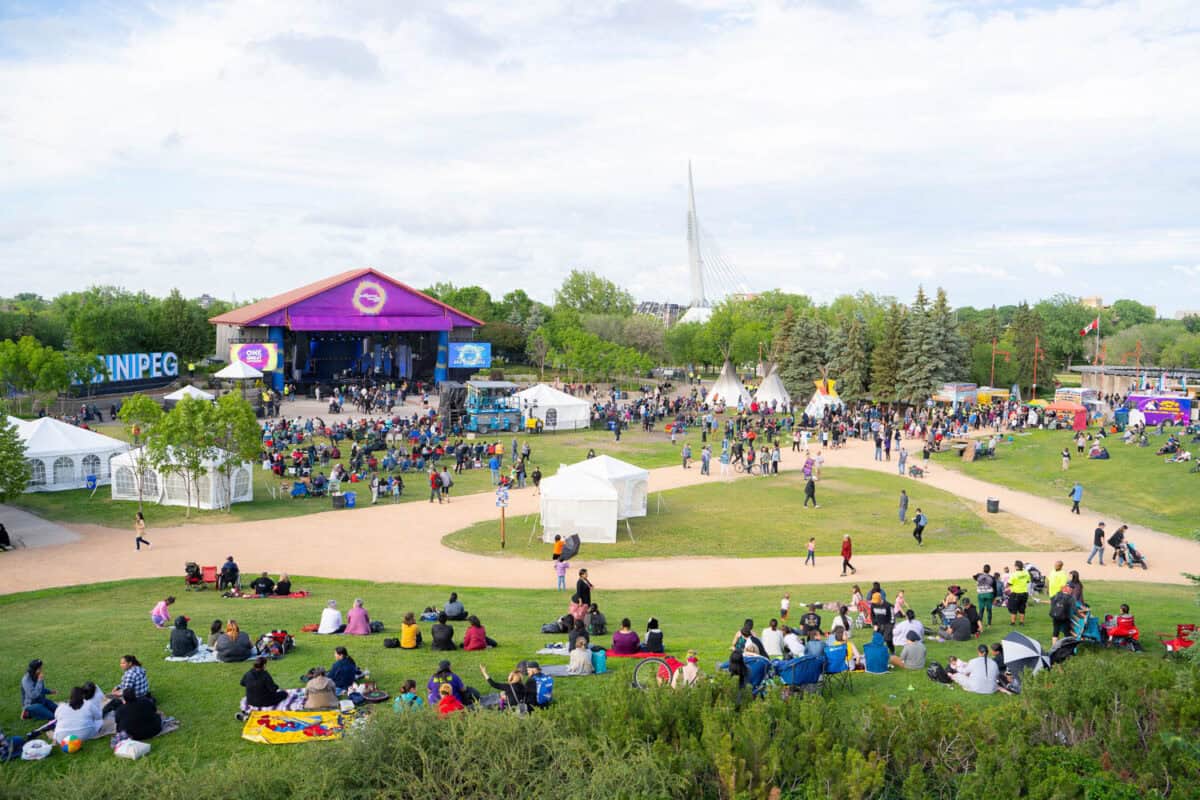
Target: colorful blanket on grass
x: 205, y: 655
x: 293, y: 702
x: 290, y: 727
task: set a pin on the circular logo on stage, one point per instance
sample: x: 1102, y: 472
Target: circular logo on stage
x: 369, y: 297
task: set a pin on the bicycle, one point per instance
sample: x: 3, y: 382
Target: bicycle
x: 651, y: 672
x: 754, y: 469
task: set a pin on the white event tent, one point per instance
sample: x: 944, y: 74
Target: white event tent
x: 62, y: 456
x: 557, y: 410
x: 728, y: 389
x: 575, y: 503
x: 169, y: 488
x: 773, y: 390
x: 632, y: 483
x: 238, y: 371
x: 188, y: 391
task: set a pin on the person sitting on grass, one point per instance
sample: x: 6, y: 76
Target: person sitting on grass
x: 653, y: 643
x: 35, y: 697
x: 597, y: 625
x: 77, y: 717
x: 772, y: 639
x: 513, y: 690
x: 445, y: 676
x: 912, y: 655
x: 358, y: 621
x: 233, y: 644
x: 408, y: 698
x: 261, y: 691
x: 476, y: 637
x: 978, y: 676
x: 441, y: 634
x: 263, y: 585
x: 959, y: 629
x: 875, y: 655
x: 447, y: 703
x: 746, y: 635
x: 689, y: 674
x: 137, y: 716
x: 454, y: 609
x: 578, y: 632
x: 793, y: 645
x: 343, y: 671
x: 410, y: 632
x: 581, y: 659
x: 320, y: 693
x: 160, y: 615
x: 283, y: 586
x: 183, y: 639
x: 625, y: 642
x: 331, y: 619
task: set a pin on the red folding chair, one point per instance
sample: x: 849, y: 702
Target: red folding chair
x: 209, y: 574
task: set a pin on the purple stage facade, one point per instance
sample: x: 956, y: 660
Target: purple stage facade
x: 354, y: 326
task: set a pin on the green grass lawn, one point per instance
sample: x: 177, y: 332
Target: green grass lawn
x: 81, y: 633
x: 548, y: 450
x: 764, y: 516
x: 1134, y: 485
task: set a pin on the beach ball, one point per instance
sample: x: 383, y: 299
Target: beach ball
x: 71, y: 744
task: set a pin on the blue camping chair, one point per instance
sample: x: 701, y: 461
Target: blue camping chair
x: 1086, y: 628
x: 299, y: 489
x: 802, y: 674
x: 758, y: 669
x: 836, y: 668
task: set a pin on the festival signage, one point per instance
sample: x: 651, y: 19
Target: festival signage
x: 138, y: 366
x: 263, y: 356
x: 1158, y: 408
x: 470, y: 355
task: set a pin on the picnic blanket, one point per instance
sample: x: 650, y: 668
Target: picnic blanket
x: 290, y: 727
x: 204, y: 655
x: 293, y: 702
x: 169, y: 725
x: 560, y: 671
x: 554, y: 649
x: 267, y: 596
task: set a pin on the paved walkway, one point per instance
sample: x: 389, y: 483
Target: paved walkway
x: 403, y: 543
x: 31, y: 530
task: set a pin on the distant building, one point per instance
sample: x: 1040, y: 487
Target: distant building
x: 205, y: 301
x: 669, y: 313
x: 1092, y: 302
x: 1187, y: 313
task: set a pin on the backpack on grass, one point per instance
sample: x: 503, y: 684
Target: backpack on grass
x: 937, y: 673
x: 545, y: 689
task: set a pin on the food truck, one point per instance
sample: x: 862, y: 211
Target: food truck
x: 1156, y: 408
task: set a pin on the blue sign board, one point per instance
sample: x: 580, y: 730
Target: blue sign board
x: 138, y: 366
x: 470, y: 355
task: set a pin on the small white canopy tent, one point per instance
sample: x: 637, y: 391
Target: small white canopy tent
x: 572, y: 502
x: 62, y: 456
x: 208, y: 491
x: 188, y: 391
x: 238, y: 371
x: 773, y: 390
x: 728, y: 389
x: 632, y: 483
x: 557, y: 410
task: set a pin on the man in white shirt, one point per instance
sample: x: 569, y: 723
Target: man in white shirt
x: 908, y: 622
x: 772, y: 639
x: 793, y: 643
x: 979, y: 675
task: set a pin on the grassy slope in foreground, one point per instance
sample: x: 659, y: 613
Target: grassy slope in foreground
x: 1133, y: 486
x: 764, y: 516
x: 82, y: 632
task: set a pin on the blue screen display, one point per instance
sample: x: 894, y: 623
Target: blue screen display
x: 470, y: 355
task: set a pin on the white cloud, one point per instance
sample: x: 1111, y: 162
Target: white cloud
x: 503, y: 144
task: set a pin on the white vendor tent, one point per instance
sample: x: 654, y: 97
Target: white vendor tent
x: 62, y: 456
x: 188, y: 391
x: 574, y: 503
x: 238, y: 371
x: 773, y: 390
x: 557, y: 410
x: 632, y: 483
x: 210, y: 490
x: 728, y: 389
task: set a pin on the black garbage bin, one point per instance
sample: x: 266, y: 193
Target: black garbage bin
x: 993, y: 505
x: 339, y: 500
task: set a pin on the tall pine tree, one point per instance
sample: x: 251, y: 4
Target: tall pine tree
x: 807, y: 344
x: 850, y: 360
x: 955, y: 351
x: 921, y: 363
x: 885, y: 360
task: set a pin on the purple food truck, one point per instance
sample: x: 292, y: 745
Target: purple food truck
x: 1171, y: 409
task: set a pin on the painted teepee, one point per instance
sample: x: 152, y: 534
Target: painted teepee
x: 824, y: 397
x: 728, y: 389
x: 773, y: 390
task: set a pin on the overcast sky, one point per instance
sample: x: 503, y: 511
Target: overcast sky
x: 1005, y: 150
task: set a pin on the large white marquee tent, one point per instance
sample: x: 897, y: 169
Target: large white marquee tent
x: 169, y: 488
x: 62, y: 456
x: 728, y: 389
x: 576, y: 503
x: 632, y: 483
x: 557, y: 410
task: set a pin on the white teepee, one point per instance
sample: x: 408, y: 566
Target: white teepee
x: 728, y: 389
x: 773, y: 390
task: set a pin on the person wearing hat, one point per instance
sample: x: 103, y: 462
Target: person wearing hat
x: 183, y: 639
x: 689, y: 674
x: 446, y: 676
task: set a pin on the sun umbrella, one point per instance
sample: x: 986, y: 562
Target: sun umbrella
x: 1021, y: 653
x: 570, y: 547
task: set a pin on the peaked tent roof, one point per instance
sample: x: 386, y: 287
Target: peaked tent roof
x: 52, y: 436
x: 302, y: 309
x: 549, y: 396
x: 728, y: 389
x: 237, y: 371
x: 607, y: 467
x: 577, y: 486
x: 772, y: 388
x: 188, y: 391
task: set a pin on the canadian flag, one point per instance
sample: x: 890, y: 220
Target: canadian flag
x: 1094, y: 325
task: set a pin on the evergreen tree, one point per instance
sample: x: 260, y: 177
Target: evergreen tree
x: 921, y: 363
x: 885, y: 360
x: 807, y: 344
x: 955, y: 352
x: 850, y: 363
x: 14, y: 469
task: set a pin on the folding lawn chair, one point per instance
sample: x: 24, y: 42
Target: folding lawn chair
x: 803, y: 674
x: 837, y: 671
x: 209, y: 575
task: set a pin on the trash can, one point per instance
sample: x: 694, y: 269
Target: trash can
x: 350, y: 497
x: 339, y: 500
x: 993, y: 505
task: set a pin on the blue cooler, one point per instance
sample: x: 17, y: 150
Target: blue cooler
x: 600, y: 661
x: 350, y: 497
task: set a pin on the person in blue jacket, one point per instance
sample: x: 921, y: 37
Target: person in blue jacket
x: 343, y: 671
x: 875, y: 653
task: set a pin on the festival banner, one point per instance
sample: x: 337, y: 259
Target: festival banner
x: 263, y: 356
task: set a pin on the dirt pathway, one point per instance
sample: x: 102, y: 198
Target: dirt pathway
x: 403, y: 543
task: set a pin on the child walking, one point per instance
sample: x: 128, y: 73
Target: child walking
x: 560, y: 569
x: 139, y: 528
x: 785, y: 605
x: 811, y: 558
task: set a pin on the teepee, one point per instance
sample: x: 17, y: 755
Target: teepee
x: 773, y: 390
x: 825, y: 396
x: 728, y: 389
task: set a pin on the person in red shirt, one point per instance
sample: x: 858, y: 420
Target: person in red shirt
x: 847, y: 553
x: 448, y: 703
x: 435, y: 485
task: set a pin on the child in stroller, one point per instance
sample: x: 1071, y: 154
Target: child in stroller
x: 1133, y: 556
x: 916, y: 472
x: 1037, y: 581
x: 192, y: 576
x: 943, y: 614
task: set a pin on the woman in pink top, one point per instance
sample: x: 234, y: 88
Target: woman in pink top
x: 358, y: 622
x: 476, y: 636
x: 625, y: 641
x: 160, y: 615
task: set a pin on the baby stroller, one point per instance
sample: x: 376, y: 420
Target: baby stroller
x: 916, y: 472
x: 1134, y: 557
x: 943, y: 614
x: 1037, y: 581
x: 193, y: 578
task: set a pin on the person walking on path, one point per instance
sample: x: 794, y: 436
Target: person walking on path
x: 903, y: 506
x: 686, y: 454
x: 810, y: 493
x: 817, y: 462
x: 435, y: 485
x: 1066, y: 459
x: 1076, y: 495
x: 919, y: 523
x: 796, y: 440
x: 1098, y: 542
x: 139, y: 528
x: 903, y: 460
x: 536, y: 475
x: 811, y: 557
x: 705, y: 460
x: 847, y: 554
x: 724, y: 459
x: 878, y: 447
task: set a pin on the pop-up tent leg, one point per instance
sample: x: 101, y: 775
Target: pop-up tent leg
x: 629, y: 530
x: 533, y: 530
